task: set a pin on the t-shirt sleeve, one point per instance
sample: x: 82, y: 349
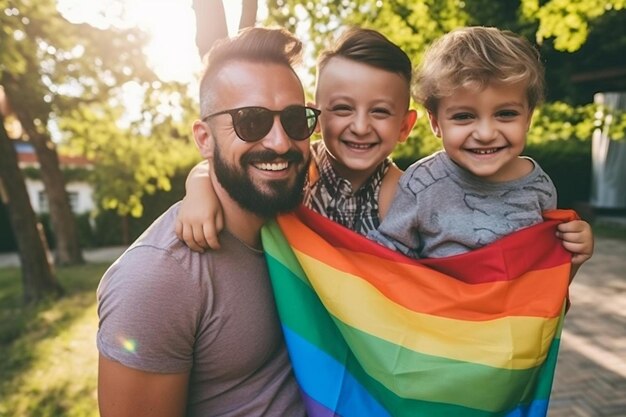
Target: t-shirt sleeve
x: 149, y: 307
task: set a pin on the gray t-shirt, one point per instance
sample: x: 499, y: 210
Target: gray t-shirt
x: 440, y: 209
x: 164, y: 308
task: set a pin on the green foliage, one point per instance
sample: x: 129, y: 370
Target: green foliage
x: 559, y: 121
x: 568, y: 162
x: 70, y: 174
x: 48, y: 64
x: 76, y: 74
x: 415, y: 23
x: 108, y: 224
x: 139, y: 159
x: 567, y: 21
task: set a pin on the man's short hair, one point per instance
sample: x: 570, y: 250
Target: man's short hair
x: 475, y: 57
x: 369, y: 47
x: 254, y: 44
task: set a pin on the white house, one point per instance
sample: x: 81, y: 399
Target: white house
x: 80, y: 192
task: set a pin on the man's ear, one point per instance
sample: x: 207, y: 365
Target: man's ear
x: 434, y: 124
x: 204, y: 138
x: 407, y: 125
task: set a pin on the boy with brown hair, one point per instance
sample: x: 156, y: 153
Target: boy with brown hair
x: 363, y: 91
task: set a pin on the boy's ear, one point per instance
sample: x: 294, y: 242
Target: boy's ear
x: 203, y: 138
x: 407, y: 125
x: 434, y: 124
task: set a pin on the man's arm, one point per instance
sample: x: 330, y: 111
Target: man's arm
x: 127, y: 392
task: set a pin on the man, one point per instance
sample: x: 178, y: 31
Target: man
x: 196, y: 334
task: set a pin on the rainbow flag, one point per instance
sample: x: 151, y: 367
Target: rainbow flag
x: 373, y: 333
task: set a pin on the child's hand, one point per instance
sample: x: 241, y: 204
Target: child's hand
x: 200, y: 217
x: 577, y: 238
x: 199, y: 228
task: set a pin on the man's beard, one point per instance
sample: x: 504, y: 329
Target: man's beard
x: 280, y: 196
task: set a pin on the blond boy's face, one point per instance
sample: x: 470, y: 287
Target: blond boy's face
x: 485, y: 131
x: 364, y: 115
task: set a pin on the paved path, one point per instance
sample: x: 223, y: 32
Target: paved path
x: 99, y: 255
x: 590, y: 379
x: 591, y: 370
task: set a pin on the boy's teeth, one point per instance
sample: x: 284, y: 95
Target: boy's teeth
x: 274, y: 166
x: 485, y: 151
x: 359, y: 145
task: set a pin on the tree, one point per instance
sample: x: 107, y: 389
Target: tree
x: 47, y: 66
x: 38, y: 277
x: 137, y: 160
x: 211, y: 21
x: 559, y: 27
x: 573, y: 36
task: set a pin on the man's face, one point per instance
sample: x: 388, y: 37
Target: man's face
x: 265, y: 177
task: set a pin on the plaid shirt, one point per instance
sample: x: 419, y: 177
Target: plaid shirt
x: 333, y: 197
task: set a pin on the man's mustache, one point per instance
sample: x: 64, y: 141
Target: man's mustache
x: 271, y: 156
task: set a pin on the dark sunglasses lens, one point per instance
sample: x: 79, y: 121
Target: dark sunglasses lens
x: 252, y: 123
x: 298, y: 121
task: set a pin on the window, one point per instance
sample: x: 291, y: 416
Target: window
x: 73, y: 196
x: 44, y: 207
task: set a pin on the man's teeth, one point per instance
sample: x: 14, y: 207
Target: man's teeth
x: 485, y: 151
x: 273, y: 166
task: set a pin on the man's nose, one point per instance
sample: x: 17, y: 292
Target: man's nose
x: 277, y: 139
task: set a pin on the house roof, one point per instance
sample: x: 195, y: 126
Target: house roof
x: 26, y: 156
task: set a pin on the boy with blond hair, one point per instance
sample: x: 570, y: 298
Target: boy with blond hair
x: 480, y: 86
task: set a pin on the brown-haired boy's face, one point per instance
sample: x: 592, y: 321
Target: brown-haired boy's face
x: 364, y: 115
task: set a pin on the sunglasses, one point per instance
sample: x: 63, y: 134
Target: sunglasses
x: 254, y: 123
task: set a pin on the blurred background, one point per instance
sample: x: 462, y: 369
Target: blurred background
x: 96, y: 104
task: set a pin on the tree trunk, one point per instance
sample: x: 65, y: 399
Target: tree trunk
x: 38, y: 277
x: 248, y: 13
x: 67, y: 248
x: 210, y: 24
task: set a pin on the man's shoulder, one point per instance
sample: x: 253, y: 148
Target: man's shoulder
x: 158, y: 251
x: 161, y: 233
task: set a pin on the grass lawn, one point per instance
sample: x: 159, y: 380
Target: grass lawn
x: 49, y: 357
